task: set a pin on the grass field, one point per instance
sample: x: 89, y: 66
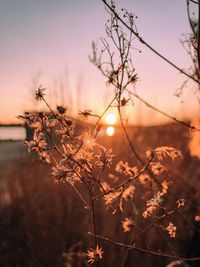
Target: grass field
x: 40, y: 221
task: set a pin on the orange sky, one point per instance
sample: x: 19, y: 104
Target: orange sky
x: 48, y: 42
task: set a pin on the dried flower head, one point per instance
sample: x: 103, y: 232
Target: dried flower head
x: 157, y: 168
x: 94, y: 254
x: 152, y: 205
x: 39, y: 94
x: 86, y: 113
x: 165, y: 186
x: 181, y: 202
x: 104, y: 158
x: 171, y: 229
x: 124, y: 168
x: 61, y: 109
x: 144, y: 178
x: 170, y: 152
x: 127, y: 224
x: 111, y: 197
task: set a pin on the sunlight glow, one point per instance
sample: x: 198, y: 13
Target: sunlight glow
x: 110, y: 119
x: 110, y: 131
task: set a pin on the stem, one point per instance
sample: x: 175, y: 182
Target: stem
x: 94, y: 222
x: 145, y: 251
x: 162, y: 112
x: 147, y: 45
x: 124, y: 183
x: 80, y: 196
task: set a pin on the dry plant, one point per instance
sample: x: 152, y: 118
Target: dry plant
x: 78, y: 159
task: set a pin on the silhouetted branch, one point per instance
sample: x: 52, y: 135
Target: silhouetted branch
x: 147, y: 44
x: 162, y: 112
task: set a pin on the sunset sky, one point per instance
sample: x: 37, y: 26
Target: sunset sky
x: 48, y: 42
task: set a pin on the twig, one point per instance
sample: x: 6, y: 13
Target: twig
x: 162, y: 112
x: 126, y: 182
x: 146, y: 251
x: 147, y: 45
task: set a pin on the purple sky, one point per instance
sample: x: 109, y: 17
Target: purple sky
x: 48, y: 42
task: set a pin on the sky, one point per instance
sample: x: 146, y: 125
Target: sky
x: 48, y: 42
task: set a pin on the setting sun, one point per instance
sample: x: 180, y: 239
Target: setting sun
x: 110, y: 131
x: 110, y: 119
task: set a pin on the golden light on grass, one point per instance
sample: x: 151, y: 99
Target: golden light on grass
x: 110, y: 119
x: 110, y: 130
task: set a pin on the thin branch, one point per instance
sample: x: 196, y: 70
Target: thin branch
x: 162, y: 112
x: 126, y: 182
x: 147, y: 45
x: 146, y: 251
x: 80, y: 196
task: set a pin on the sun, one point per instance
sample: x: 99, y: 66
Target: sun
x: 110, y: 131
x: 110, y: 119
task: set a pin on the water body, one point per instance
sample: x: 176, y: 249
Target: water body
x: 12, y: 133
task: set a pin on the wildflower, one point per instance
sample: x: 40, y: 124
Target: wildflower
x: 120, y: 167
x: 39, y: 94
x: 45, y: 157
x: 165, y: 186
x: 94, y: 254
x: 86, y: 113
x: 171, y: 229
x: 128, y: 192
x: 124, y: 168
x: 149, y: 154
x: 144, y: 178
x: 113, y: 177
x: 127, y: 224
x: 105, y: 158
x: 61, y: 173
x: 51, y: 123
x: 180, y: 202
x: 88, y: 140
x: 164, y: 151
x: 38, y: 144
x: 153, y: 204
x: 134, y: 78
x: 61, y: 110
x: 124, y: 101
x: 111, y: 197
x: 197, y: 218
x: 157, y: 168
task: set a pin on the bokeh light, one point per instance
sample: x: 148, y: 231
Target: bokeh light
x: 110, y: 131
x: 110, y: 119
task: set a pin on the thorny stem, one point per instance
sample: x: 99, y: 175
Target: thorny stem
x: 146, y: 251
x: 147, y: 45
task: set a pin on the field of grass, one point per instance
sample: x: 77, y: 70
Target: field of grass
x: 44, y: 224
